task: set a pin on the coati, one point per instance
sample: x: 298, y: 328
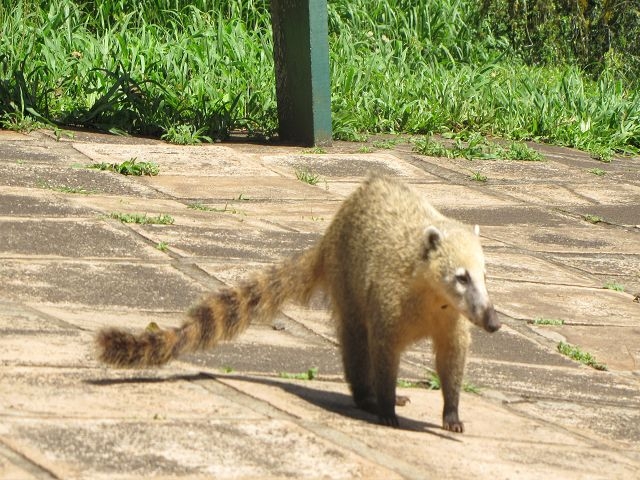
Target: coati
x: 396, y: 271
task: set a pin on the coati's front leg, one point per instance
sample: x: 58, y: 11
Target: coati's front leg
x: 451, y: 352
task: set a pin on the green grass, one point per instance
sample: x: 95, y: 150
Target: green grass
x: 314, y: 151
x: 307, y: 176
x: 20, y: 122
x: 193, y: 71
x: 594, y: 219
x: 366, y: 149
x: 548, y: 321
x: 73, y: 190
x: 142, y: 218
x: 385, y: 144
x: 431, y: 148
x: 433, y: 383
x: 64, y: 188
x: 185, y: 135
x: 597, y: 171
x: 478, y: 177
x: 474, y: 146
x: 128, y: 167
x: 310, y: 374
x: 204, y: 208
x: 522, y: 152
x: 615, y: 286
x: 200, y: 206
x: 576, y: 353
x: 162, y: 246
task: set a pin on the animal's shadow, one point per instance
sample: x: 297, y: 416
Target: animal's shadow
x: 335, y: 402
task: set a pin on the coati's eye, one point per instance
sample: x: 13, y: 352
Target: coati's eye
x: 463, y: 277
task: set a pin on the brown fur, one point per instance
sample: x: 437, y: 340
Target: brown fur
x: 396, y: 271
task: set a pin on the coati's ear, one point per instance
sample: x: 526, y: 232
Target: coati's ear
x: 431, y: 240
x: 476, y: 230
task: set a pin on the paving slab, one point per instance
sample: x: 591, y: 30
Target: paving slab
x: 233, y: 243
x: 55, y: 177
x: 612, y: 267
x: 573, y: 304
x: 173, y: 160
x: 420, y: 446
x: 229, y: 189
x: 71, y: 237
x: 575, y: 237
x: 100, y: 284
x: 616, y: 347
x: 528, y: 267
x: 20, y: 202
x: 345, y: 166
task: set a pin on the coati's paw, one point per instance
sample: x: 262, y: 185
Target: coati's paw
x: 389, y: 420
x: 402, y: 400
x: 453, y: 424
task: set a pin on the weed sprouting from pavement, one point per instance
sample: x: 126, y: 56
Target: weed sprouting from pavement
x: 615, y: 286
x: 478, y: 177
x: 576, y: 353
x: 307, y: 176
x: 185, y: 135
x: 594, y: 219
x: 310, y: 374
x: 142, y: 218
x: 548, y: 321
x: 128, y: 167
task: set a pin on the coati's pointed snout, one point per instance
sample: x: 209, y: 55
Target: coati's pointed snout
x: 490, y: 321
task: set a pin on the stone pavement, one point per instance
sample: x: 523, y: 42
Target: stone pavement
x: 67, y: 269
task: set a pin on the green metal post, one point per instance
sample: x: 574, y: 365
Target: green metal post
x: 301, y: 53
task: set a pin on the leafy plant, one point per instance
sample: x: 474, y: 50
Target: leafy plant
x: 597, y: 171
x: 478, y: 177
x: 615, y: 286
x: 205, y: 208
x: 307, y: 176
x: 521, y: 151
x: 592, y: 218
x: 385, y: 144
x: 548, y: 321
x: 129, y: 167
x: 142, y: 218
x: 576, y: 353
x: 185, y: 135
x: 310, y: 374
x: 315, y: 150
x: 431, y: 148
x: 162, y: 246
x: 199, y: 206
x: 20, y: 122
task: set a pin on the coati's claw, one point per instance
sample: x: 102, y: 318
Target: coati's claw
x: 453, y: 426
x: 389, y: 420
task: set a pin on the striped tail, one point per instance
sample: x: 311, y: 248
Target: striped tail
x: 221, y: 315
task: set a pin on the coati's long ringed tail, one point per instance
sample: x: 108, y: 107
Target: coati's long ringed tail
x: 221, y: 315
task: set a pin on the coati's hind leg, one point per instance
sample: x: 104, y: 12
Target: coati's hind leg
x: 451, y: 350
x: 385, y: 360
x: 352, y: 333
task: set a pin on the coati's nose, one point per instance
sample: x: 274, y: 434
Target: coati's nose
x: 490, y: 320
